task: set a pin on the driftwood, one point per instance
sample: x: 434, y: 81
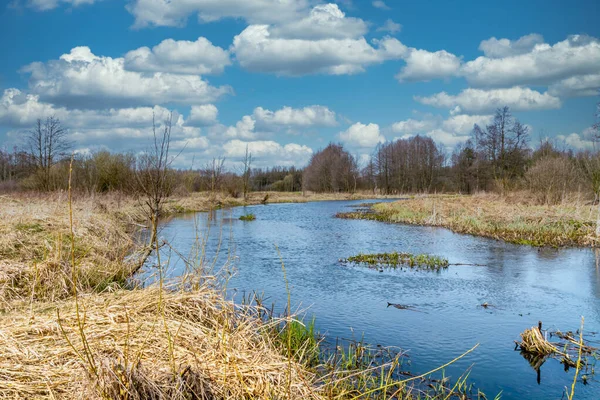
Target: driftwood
x: 403, y: 307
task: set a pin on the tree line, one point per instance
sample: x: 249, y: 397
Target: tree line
x: 497, y: 157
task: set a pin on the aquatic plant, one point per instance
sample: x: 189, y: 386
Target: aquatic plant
x: 395, y: 260
x: 248, y: 217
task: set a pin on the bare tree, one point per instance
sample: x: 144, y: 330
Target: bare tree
x: 47, y: 142
x: 332, y: 169
x: 503, y: 145
x: 246, y: 173
x: 153, y: 174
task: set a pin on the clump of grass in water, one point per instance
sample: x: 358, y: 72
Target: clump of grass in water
x: 248, y: 217
x: 395, y: 260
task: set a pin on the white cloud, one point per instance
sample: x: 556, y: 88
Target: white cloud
x: 390, y: 26
x: 267, y: 152
x: 243, y: 129
x: 477, y: 100
x: 179, y: 57
x: 82, y: 79
x: 583, y: 141
x: 542, y: 65
x: 203, y: 115
x: 362, y: 136
x: 423, y: 65
x: 325, y: 21
x: 288, y: 116
x: 413, y: 126
x: 380, y: 4
x: 176, y: 12
x: 264, y: 122
x: 455, y: 129
x: 45, y: 5
x: 447, y: 139
x: 18, y: 109
x: 257, y: 50
x: 500, y: 48
x: 577, y: 86
x: 463, y: 124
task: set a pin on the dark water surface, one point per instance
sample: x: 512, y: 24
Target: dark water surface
x: 526, y: 285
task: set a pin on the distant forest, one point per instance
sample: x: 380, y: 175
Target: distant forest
x: 497, y: 157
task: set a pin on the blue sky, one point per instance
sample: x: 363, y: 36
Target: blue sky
x: 285, y: 77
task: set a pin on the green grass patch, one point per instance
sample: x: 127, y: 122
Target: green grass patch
x: 395, y: 260
x: 248, y: 217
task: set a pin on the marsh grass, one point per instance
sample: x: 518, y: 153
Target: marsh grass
x: 248, y: 217
x: 514, y: 218
x: 396, y: 260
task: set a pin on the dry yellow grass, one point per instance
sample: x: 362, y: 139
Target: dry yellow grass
x: 142, y: 343
x: 210, y: 347
x: 35, y: 248
x: 512, y: 218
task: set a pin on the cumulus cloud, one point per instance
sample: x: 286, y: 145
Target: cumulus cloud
x: 362, y: 136
x: 203, y: 115
x: 380, y: 4
x: 583, y: 141
x: 449, y: 132
x: 303, y: 117
x: 45, y: 5
x: 268, y: 152
x: 179, y: 57
x: 176, y: 12
x: 21, y: 110
x: 413, y: 126
x: 83, y: 79
x: 577, y: 86
x: 263, y: 122
x: 500, y: 48
x: 390, y: 26
x: 473, y: 101
x: 423, y: 65
x: 257, y: 50
x: 243, y: 129
x: 542, y: 65
x: 325, y: 21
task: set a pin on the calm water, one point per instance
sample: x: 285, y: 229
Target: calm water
x: 525, y: 284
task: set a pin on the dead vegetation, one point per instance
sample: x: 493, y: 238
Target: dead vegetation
x: 515, y: 217
x: 203, y: 345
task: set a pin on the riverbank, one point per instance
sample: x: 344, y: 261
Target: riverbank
x: 512, y: 218
x: 107, y: 339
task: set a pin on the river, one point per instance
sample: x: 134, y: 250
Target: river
x: 525, y: 285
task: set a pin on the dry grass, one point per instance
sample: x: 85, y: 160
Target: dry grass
x: 514, y: 218
x: 35, y: 248
x: 211, y: 348
x: 533, y: 342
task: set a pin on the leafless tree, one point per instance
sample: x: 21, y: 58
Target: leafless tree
x: 47, y: 142
x: 152, y: 173
x: 503, y: 145
x: 408, y: 165
x: 332, y: 169
x: 246, y: 173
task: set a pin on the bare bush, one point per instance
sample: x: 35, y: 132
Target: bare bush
x: 551, y: 179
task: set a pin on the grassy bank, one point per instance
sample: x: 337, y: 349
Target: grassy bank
x: 512, y: 218
x: 71, y: 326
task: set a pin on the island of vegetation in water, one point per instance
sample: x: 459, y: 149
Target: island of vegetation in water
x: 396, y: 260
